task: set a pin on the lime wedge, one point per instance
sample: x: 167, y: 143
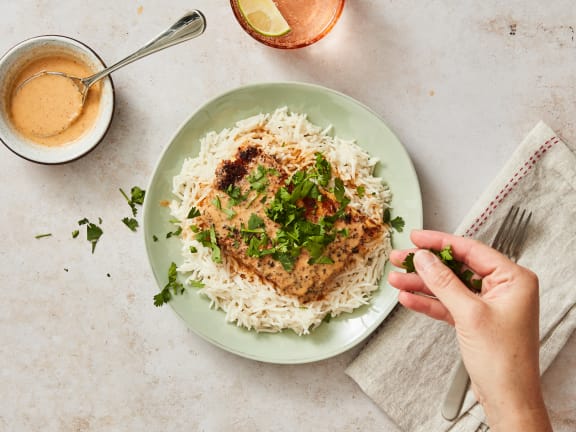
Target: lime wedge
x: 264, y: 17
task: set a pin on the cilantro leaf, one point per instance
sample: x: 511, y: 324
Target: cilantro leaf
x: 194, y: 212
x: 360, y: 190
x: 131, y: 223
x: 75, y: 233
x: 323, y: 170
x: 339, y: 189
x: 447, y: 257
x: 137, y: 195
x: 173, y: 287
x: 258, y: 179
x: 130, y: 203
x: 208, y: 239
x: 322, y: 260
x: 255, y: 222
x: 398, y: 223
x: 235, y: 194
x: 216, y: 202
x: 174, y: 233
x: 93, y: 234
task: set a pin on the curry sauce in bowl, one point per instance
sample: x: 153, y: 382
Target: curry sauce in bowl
x: 33, y: 117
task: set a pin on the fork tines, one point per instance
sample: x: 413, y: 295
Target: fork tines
x: 512, y: 232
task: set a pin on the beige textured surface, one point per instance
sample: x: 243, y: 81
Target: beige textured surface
x: 81, y: 351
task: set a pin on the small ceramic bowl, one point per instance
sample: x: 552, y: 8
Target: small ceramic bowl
x: 13, y: 62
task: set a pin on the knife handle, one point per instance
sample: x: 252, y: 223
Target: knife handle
x: 456, y: 392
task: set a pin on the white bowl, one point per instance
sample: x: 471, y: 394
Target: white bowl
x: 12, y: 62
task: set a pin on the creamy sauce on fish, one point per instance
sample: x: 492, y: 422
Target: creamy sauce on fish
x: 252, y: 248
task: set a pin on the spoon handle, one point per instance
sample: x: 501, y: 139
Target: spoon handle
x: 188, y: 27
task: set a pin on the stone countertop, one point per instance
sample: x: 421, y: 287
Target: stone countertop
x: 82, y: 348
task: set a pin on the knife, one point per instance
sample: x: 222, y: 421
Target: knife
x: 456, y: 393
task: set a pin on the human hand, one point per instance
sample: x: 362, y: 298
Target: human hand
x: 497, y: 330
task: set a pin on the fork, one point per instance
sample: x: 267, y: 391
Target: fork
x: 508, y: 240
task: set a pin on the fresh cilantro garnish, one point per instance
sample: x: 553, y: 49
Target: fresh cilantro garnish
x: 93, y: 231
x: 323, y: 170
x: 39, y: 236
x: 229, y: 212
x: 75, y: 233
x: 172, y: 287
x: 130, y: 223
x: 194, y: 212
x: 216, y: 202
x: 447, y: 257
x: 360, y: 190
x: 235, y: 194
x: 322, y: 260
x: 397, y: 223
x: 208, y: 239
x: 174, y: 233
x: 255, y: 222
x: 296, y: 232
x: 193, y: 249
x: 339, y: 190
x: 196, y: 284
x: 258, y: 179
x: 154, y: 238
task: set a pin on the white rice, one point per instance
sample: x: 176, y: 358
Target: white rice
x: 292, y: 139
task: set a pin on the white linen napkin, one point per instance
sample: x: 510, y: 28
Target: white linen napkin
x: 407, y: 366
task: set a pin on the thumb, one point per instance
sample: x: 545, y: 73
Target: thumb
x: 443, y: 283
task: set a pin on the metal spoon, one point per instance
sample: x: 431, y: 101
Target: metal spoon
x: 188, y: 27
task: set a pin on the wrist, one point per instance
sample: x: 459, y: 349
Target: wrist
x: 523, y: 411
x: 528, y: 420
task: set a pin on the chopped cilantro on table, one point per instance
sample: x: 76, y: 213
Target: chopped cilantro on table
x: 447, y: 257
x: 136, y: 198
x: 130, y: 223
x: 39, y: 236
x: 93, y: 231
x: 75, y: 233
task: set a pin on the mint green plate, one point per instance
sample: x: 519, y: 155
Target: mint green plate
x: 350, y: 120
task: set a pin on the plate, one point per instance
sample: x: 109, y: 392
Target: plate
x: 350, y: 120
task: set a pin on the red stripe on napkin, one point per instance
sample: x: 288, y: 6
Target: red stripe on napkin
x: 510, y: 185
